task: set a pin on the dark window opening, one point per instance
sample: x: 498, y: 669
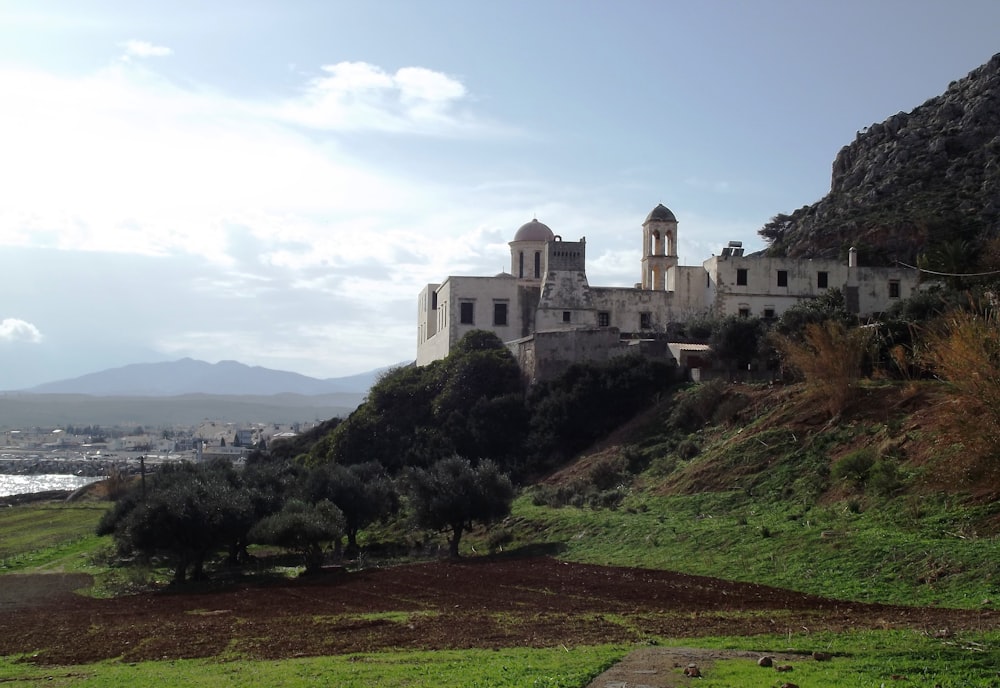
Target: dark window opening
x: 645, y: 321
x: 538, y: 264
x: 520, y: 264
x: 603, y: 319
x: 499, y: 313
x: 567, y: 316
x: 782, y: 278
x: 744, y: 312
x: 467, y: 314
x: 894, y: 289
x: 768, y: 312
x: 434, y: 300
x: 822, y: 280
x: 741, y: 277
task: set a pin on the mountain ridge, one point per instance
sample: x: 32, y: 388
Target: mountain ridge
x: 909, y: 185
x: 190, y: 376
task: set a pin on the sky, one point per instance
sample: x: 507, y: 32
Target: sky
x: 274, y: 182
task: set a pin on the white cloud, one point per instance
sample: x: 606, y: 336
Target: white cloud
x: 143, y: 49
x: 14, y: 330
x: 352, y: 96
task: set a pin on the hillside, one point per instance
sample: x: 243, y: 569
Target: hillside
x: 756, y: 483
x: 909, y: 184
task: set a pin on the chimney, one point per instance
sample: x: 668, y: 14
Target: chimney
x: 852, y: 258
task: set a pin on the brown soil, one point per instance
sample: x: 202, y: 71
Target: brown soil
x: 483, y: 603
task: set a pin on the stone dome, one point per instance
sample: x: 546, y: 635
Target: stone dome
x: 534, y: 231
x: 660, y: 213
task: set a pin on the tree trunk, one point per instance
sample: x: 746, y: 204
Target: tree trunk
x: 456, y: 537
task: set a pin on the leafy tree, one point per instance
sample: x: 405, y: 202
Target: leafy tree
x: 453, y: 495
x: 479, y: 371
x: 269, y: 484
x: 413, y: 415
x: 589, y: 400
x: 190, y: 511
x: 738, y: 340
x: 362, y: 492
x: 303, y: 528
x: 775, y: 230
x: 830, y: 305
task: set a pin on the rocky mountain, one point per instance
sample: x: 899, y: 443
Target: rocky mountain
x: 188, y: 376
x: 914, y: 184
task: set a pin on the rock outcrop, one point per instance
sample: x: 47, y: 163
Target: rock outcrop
x: 910, y: 183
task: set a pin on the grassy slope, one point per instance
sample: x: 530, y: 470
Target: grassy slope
x: 758, y: 503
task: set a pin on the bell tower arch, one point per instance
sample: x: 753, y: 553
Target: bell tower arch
x: 659, y: 247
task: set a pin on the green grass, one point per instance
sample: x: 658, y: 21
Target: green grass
x: 889, y: 555
x: 516, y: 667
x: 48, y: 536
x: 863, y: 659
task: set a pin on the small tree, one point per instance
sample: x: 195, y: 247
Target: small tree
x: 303, y: 528
x: 453, y: 495
x: 362, y: 492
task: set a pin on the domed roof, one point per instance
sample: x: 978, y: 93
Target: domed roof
x: 534, y: 231
x: 660, y: 213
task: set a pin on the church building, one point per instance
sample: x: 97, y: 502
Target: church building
x: 550, y: 316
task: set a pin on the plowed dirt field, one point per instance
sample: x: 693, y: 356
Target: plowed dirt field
x: 484, y: 603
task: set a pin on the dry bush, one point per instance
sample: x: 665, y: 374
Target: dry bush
x: 830, y: 357
x: 963, y: 350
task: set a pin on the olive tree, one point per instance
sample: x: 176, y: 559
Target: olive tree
x: 453, y: 495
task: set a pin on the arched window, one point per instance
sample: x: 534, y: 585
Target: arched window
x: 538, y: 264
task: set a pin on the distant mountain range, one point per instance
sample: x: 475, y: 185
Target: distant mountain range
x: 189, y: 376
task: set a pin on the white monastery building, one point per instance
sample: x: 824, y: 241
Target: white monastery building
x: 550, y: 316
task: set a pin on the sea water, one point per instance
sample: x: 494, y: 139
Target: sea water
x: 27, y: 484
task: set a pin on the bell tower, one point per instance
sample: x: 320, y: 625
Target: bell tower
x: 659, y: 247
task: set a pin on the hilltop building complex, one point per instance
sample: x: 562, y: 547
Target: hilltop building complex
x: 550, y: 316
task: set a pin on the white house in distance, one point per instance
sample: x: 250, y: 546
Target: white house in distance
x: 550, y: 316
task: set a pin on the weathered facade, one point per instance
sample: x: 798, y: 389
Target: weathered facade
x: 550, y: 316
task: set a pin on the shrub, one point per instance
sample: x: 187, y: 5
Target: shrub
x: 830, y: 358
x: 855, y: 466
x: 688, y: 449
x: 608, y: 474
x: 963, y: 349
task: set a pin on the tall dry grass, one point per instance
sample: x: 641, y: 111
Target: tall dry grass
x: 830, y: 358
x: 962, y: 349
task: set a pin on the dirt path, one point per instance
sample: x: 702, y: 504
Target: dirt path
x: 664, y: 667
x: 482, y: 603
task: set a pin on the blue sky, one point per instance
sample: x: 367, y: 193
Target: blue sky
x: 274, y: 182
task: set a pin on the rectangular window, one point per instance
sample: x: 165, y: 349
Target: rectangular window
x: 744, y: 311
x: 499, y: 313
x: 822, y: 280
x: 782, y: 278
x: 604, y: 319
x: 741, y: 277
x: 467, y: 316
x: 769, y: 312
x: 893, y: 289
x: 567, y: 316
x: 645, y: 321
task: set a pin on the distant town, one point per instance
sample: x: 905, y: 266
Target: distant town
x: 94, y: 450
